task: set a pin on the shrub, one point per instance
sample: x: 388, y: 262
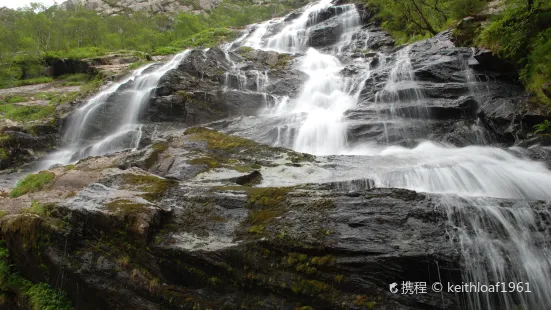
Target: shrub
x: 41, y: 296
x: 522, y: 36
x: 464, y: 8
x: 543, y: 127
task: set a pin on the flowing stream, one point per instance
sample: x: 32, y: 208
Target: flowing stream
x: 127, y: 131
x: 494, y: 238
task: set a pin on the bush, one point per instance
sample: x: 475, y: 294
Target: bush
x: 538, y: 69
x: 207, y: 38
x: 32, y: 183
x: 41, y: 296
x: 464, y: 8
x: 522, y: 36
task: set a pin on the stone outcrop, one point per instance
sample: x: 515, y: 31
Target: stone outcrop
x: 20, y: 145
x: 131, y: 239
x: 206, y: 86
x: 167, y: 227
x: 452, y: 85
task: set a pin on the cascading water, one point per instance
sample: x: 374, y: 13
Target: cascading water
x: 467, y: 182
x: 128, y: 132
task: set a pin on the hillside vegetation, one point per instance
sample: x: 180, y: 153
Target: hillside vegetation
x: 520, y: 33
x: 31, y: 34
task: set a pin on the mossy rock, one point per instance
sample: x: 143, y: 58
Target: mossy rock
x: 125, y: 206
x: 153, y: 187
x: 225, y: 146
x: 158, y: 149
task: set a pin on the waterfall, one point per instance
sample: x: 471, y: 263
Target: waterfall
x: 494, y: 239
x: 127, y: 133
x: 487, y: 193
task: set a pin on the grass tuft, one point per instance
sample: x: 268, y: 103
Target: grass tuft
x: 32, y: 183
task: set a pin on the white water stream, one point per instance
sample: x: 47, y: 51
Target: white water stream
x: 494, y: 239
x: 127, y: 133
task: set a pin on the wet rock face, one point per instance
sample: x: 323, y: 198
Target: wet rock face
x: 209, y: 86
x: 180, y: 224
x: 325, y: 34
x: 132, y: 239
x: 437, y: 84
x: 59, y: 67
x: 21, y: 145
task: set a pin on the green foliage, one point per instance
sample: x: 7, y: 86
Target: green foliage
x: 37, y: 80
x: 137, y: 64
x: 16, y: 99
x: 462, y: 8
x: 543, y: 127
x: 413, y: 20
x: 78, y: 53
x: 43, y: 297
x: 32, y: 183
x: 4, y: 153
x: 36, y: 208
x: 31, y: 35
x: 522, y: 36
x: 207, y: 38
x: 40, y: 296
x: 26, y: 113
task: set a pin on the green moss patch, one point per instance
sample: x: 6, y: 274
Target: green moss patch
x: 32, y: 183
x: 158, y: 148
x: 213, y: 162
x: 207, y: 161
x: 207, y: 38
x: 234, y: 145
x: 4, y: 153
x: 26, y: 113
x: 39, y: 296
x: 219, y: 141
x: 283, y: 61
x: 125, y: 206
x: 262, y: 197
x: 153, y: 187
x: 268, y: 196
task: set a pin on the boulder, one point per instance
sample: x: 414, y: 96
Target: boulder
x: 324, y: 34
x: 490, y: 62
